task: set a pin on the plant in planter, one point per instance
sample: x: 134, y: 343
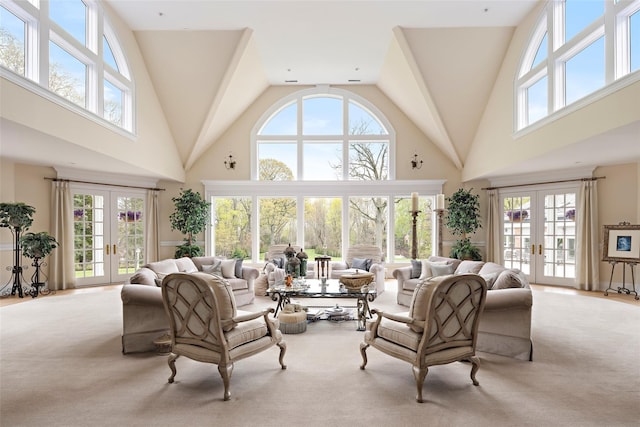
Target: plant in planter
x: 463, y: 217
x: 17, y: 217
x: 36, y: 246
x: 517, y: 215
x: 190, y: 217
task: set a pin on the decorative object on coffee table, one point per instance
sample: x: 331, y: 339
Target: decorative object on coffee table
x: 355, y: 281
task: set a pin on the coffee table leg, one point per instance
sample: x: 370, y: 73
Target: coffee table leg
x: 282, y: 300
x: 363, y: 309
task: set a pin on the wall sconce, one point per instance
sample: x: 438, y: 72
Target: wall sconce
x: 230, y: 164
x: 415, y: 164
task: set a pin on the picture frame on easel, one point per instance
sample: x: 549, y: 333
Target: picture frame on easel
x: 621, y: 243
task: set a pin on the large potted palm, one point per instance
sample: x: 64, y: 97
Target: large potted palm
x: 190, y: 217
x: 463, y: 218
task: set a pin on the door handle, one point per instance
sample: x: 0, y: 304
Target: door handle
x: 114, y: 249
x: 539, y: 250
x: 107, y: 249
x: 533, y: 249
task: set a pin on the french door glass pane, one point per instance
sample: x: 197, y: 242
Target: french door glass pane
x: 130, y: 239
x: 368, y: 218
x: 323, y: 227
x: 559, y: 235
x: 517, y: 232
x: 277, y: 221
x: 88, y: 224
x: 232, y: 227
x: 403, y: 233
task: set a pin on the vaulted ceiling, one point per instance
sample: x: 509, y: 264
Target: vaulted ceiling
x: 417, y: 52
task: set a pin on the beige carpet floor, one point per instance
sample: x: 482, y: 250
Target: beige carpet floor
x: 61, y: 365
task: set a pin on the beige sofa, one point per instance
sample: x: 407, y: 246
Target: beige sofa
x: 143, y: 315
x: 505, y: 324
x: 373, y: 262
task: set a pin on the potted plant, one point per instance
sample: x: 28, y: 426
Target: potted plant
x: 17, y: 217
x: 190, y: 217
x: 463, y: 217
x: 37, y: 245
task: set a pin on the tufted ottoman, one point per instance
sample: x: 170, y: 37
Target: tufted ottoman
x: 293, y: 323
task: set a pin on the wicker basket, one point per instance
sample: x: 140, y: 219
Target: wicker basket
x: 356, y: 281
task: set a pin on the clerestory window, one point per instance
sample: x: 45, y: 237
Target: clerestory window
x: 578, y: 49
x: 68, y: 48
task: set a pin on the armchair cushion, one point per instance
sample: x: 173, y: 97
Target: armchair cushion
x: 419, y: 304
x: 399, y: 333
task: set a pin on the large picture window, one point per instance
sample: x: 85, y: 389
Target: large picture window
x: 323, y: 179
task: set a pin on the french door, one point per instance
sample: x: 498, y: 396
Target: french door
x: 539, y: 234
x: 108, y: 234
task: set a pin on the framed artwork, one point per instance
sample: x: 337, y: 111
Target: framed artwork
x: 621, y: 243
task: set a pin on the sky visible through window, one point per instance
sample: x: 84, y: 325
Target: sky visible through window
x: 323, y: 137
x: 585, y: 70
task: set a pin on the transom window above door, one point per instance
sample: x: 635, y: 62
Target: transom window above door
x: 322, y: 134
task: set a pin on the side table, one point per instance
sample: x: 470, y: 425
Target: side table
x: 322, y: 262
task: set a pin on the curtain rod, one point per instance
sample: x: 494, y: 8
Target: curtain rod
x: 102, y: 183
x: 595, y: 178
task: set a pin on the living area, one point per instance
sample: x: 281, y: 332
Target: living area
x: 257, y: 109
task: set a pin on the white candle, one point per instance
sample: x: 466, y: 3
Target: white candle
x: 440, y: 201
x: 414, y: 202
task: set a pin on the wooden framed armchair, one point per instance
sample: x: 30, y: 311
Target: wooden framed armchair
x: 441, y: 326
x: 205, y: 325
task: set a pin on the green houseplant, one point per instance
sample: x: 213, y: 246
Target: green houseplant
x: 37, y: 245
x: 190, y: 217
x: 463, y: 217
x: 17, y: 217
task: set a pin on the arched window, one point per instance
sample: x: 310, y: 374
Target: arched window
x: 70, y: 49
x: 322, y: 134
x: 323, y: 179
x: 578, y: 51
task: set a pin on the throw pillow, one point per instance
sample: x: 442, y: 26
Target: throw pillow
x: 279, y: 262
x: 186, y: 265
x: 469, y: 267
x: 144, y: 276
x: 507, y: 279
x: 160, y: 278
x: 490, y: 279
x: 442, y: 270
x: 215, y: 268
x: 426, y: 270
x: 238, y: 270
x: 361, y: 264
x: 228, y: 268
x: 416, y: 269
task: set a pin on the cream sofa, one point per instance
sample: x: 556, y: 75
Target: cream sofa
x: 143, y: 315
x: 361, y: 257
x: 505, y: 324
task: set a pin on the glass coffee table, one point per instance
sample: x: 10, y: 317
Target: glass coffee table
x: 302, y: 288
